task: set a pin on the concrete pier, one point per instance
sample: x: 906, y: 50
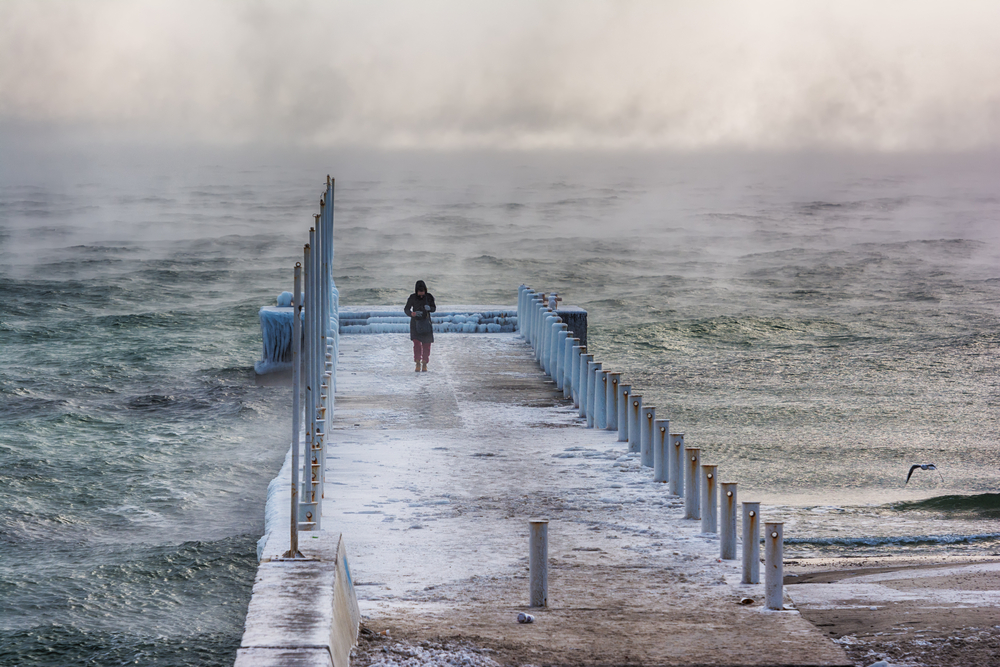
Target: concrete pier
x: 433, y: 477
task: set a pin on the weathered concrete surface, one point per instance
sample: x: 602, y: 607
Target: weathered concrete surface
x: 303, y: 612
x: 433, y: 477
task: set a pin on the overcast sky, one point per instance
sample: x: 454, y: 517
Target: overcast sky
x: 868, y: 76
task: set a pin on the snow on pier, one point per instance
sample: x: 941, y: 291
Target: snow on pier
x: 432, y: 479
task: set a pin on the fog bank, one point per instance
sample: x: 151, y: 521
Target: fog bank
x: 893, y: 76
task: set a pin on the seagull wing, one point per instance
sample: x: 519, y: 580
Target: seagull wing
x: 912, y: 468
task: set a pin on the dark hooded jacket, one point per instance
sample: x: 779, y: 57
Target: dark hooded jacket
x: 420, y: 326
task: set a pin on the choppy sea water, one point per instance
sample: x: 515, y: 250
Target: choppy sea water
x: 815, y: 324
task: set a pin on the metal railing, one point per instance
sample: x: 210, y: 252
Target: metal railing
x: 315, y: 346
x: 609, y: 403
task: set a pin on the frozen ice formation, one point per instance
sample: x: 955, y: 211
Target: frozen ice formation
x: 389, y: 321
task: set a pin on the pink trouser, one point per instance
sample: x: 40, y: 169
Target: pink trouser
x: 421, y: 351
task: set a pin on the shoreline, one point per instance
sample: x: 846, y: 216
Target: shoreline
x: 932, y: 610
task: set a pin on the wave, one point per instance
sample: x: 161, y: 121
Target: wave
x: 982, y: 505
x: 895, y: 540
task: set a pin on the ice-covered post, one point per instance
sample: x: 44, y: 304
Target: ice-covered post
x: 568, y: 347
x: 611, y: 404
x: 593, y: 367
x: 543, y: 317
x: 522, y: 291
x: 547, y: 334
x: 601, y: 400
x: 540, y: 314
x: 634, y: 427
x: 624, y: 394
x: 558, y: 352
x: 692, y: 467
x: 774, y: 568
x: 709, y: 499
x: 646, y: 435
x: 533, y: 305
x: 586, y: 362
x: 676, y: 467
x: 293, y: 543
x: 661, y: 439
x: 751, y: 543
x: 538, y: 562
x: 307, y: 366
x: 727, y: 521
x: 557, y: 326
x: 578, y: 352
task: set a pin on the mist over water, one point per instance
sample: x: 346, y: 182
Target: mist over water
x: 816, y: 323
x: 527, y: 74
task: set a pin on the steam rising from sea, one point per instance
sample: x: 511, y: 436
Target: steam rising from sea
x: 446, y: 74
x: 815, y: 323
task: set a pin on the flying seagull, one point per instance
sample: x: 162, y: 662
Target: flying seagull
x: 922, y: 466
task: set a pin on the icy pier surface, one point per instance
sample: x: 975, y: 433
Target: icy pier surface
x: 432, y: 478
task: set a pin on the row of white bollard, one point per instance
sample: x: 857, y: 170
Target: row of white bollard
x: 608, y: 403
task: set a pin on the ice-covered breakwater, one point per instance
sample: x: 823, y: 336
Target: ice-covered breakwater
x: 609, y: 402
x: 449, y: 319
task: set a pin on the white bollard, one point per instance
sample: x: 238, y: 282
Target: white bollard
x: 574, y: 384
x: 535, y: 313
x: 558, y: 352
x: 550, y: 336
x: 624, y: 393
x: 543, y: 341
x: 555, y: 346
x: 593, y: 367
x: 634, y: 417
x: 692, y: 468
x: 585, y: 364
x: 774, y: 568
x: 614, y: 379
x: 646, y: 435
x: 522, y: 293
x: 568, y: 366
x: 709, y: 498
x: 600, y: 400
x: 751, y: 543
x: 676, y: 467
x: 538, y: 563
x: 727, y: 521
x: 661, y: 455
x: 536, y: 326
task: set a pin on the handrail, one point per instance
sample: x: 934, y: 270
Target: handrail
x: 315, y: 306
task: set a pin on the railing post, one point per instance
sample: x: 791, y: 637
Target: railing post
x: 661, y: 439
x: 727, y: 522
x: 676, y: 466
x: 611, y: 403
x: 568, y: 366
x: 634, y: 426
x: 592, y: 369
x: 521, y: 292
x: 531, y: 306
x: 648, y: 416
x: 550, y: 332
x: 578, y: 352
x: 774, y: 567
x: 601, y: 400
x: 558, y: 352
x: 751, y: 543
x: 538, y: 562
x: 709, y: 499
x: 692, y: 467
x: 293, y: 551
x: 624, y: 396
x: 586, y: 363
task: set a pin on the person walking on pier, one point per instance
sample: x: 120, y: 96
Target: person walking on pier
x: 418, y: 308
